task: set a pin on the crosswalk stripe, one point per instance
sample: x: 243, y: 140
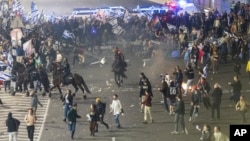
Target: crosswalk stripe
x: 18, y: 105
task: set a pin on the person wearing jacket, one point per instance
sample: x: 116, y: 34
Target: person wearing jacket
x: 195, y: 103
x: 34, y: 101
x: 242, y: 105
x: 71, y: 116
x: 206, y: 133
x: 67, y: 103
x: 100, y: 110
x: 189, y: 72
x: 93, y: 115
x: 237, y: 86
x: 179, y: 116
x: 12, y: 127
x: 164, y: 90
x: 147, y: 110
x: 216, y: 100
x: 144, y: 85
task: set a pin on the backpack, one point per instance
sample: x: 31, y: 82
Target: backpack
x: 17, y: 122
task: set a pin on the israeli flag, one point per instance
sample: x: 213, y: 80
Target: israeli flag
x: 5, y: 76
x: 9, y: 60
x: 34, y: 11
x: 17, y: 6
x: 68, y: 35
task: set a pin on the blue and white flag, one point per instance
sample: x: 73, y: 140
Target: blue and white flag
x: 34, y: 12
x: 9, y: 60
x: 16, y: 5
x: 4, y: 76
x: 67, y: 35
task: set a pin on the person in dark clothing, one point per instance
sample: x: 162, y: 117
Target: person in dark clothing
x: 30, y: 66
x: 67, y: 103
x: 189, y: 72
x: 195, y: 103
x: 237, y: 65
x: 237, y: 86
x: 164, y: 90
x: 93, y: 115
x: 12, y: 127
x: 100, y: 111
x: 216, y: 100
x: 179, y: 116
x: 144, y: 85
x: 71, y: 116
x: 178, y: 78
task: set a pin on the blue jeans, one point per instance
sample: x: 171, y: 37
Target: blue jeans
x: 66, y: 109
x: 179, y: 121
x: 166, y: 102
x: 72, y: 126
x: 117, y: 121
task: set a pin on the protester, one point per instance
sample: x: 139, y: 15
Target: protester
x: 116, y: 109
x: 12, y: 127
x: 242, y: 105
x: 218, y: 135
x: 237, y: 87
x: 144, y: 85
x: 147, y: 109
x: 100, y: 110
x: 216, y: 100
x: 189, y: 72
x: 93, y: 120
x: 195, y: 103
x: 30, y: 120
x: 164, y: 90
x: 71, y: 116
x: 67, y: 103
x: 35, y: 101
x: 206, y: 132
x: 179, y: 116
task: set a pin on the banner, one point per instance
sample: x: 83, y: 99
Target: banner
x: 28, y: 48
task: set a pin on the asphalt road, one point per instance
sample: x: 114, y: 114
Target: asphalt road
x: 132, y: 129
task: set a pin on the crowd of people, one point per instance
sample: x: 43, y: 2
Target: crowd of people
x: 205, y: 54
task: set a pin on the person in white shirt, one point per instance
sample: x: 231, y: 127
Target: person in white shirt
x: 116, y: 109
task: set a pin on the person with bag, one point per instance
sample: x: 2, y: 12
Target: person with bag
x: 116, y: 109
x: 242, y: 105
x: 12, y: 127
x: 71, y: 116
x: 100, y: 110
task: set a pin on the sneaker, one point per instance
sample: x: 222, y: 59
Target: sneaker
x: 151, y: 121
x: 174, y: 132
x: 145, y: 122
x: 186, y: 131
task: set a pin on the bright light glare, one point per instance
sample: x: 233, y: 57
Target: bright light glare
x: 182, y: 3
